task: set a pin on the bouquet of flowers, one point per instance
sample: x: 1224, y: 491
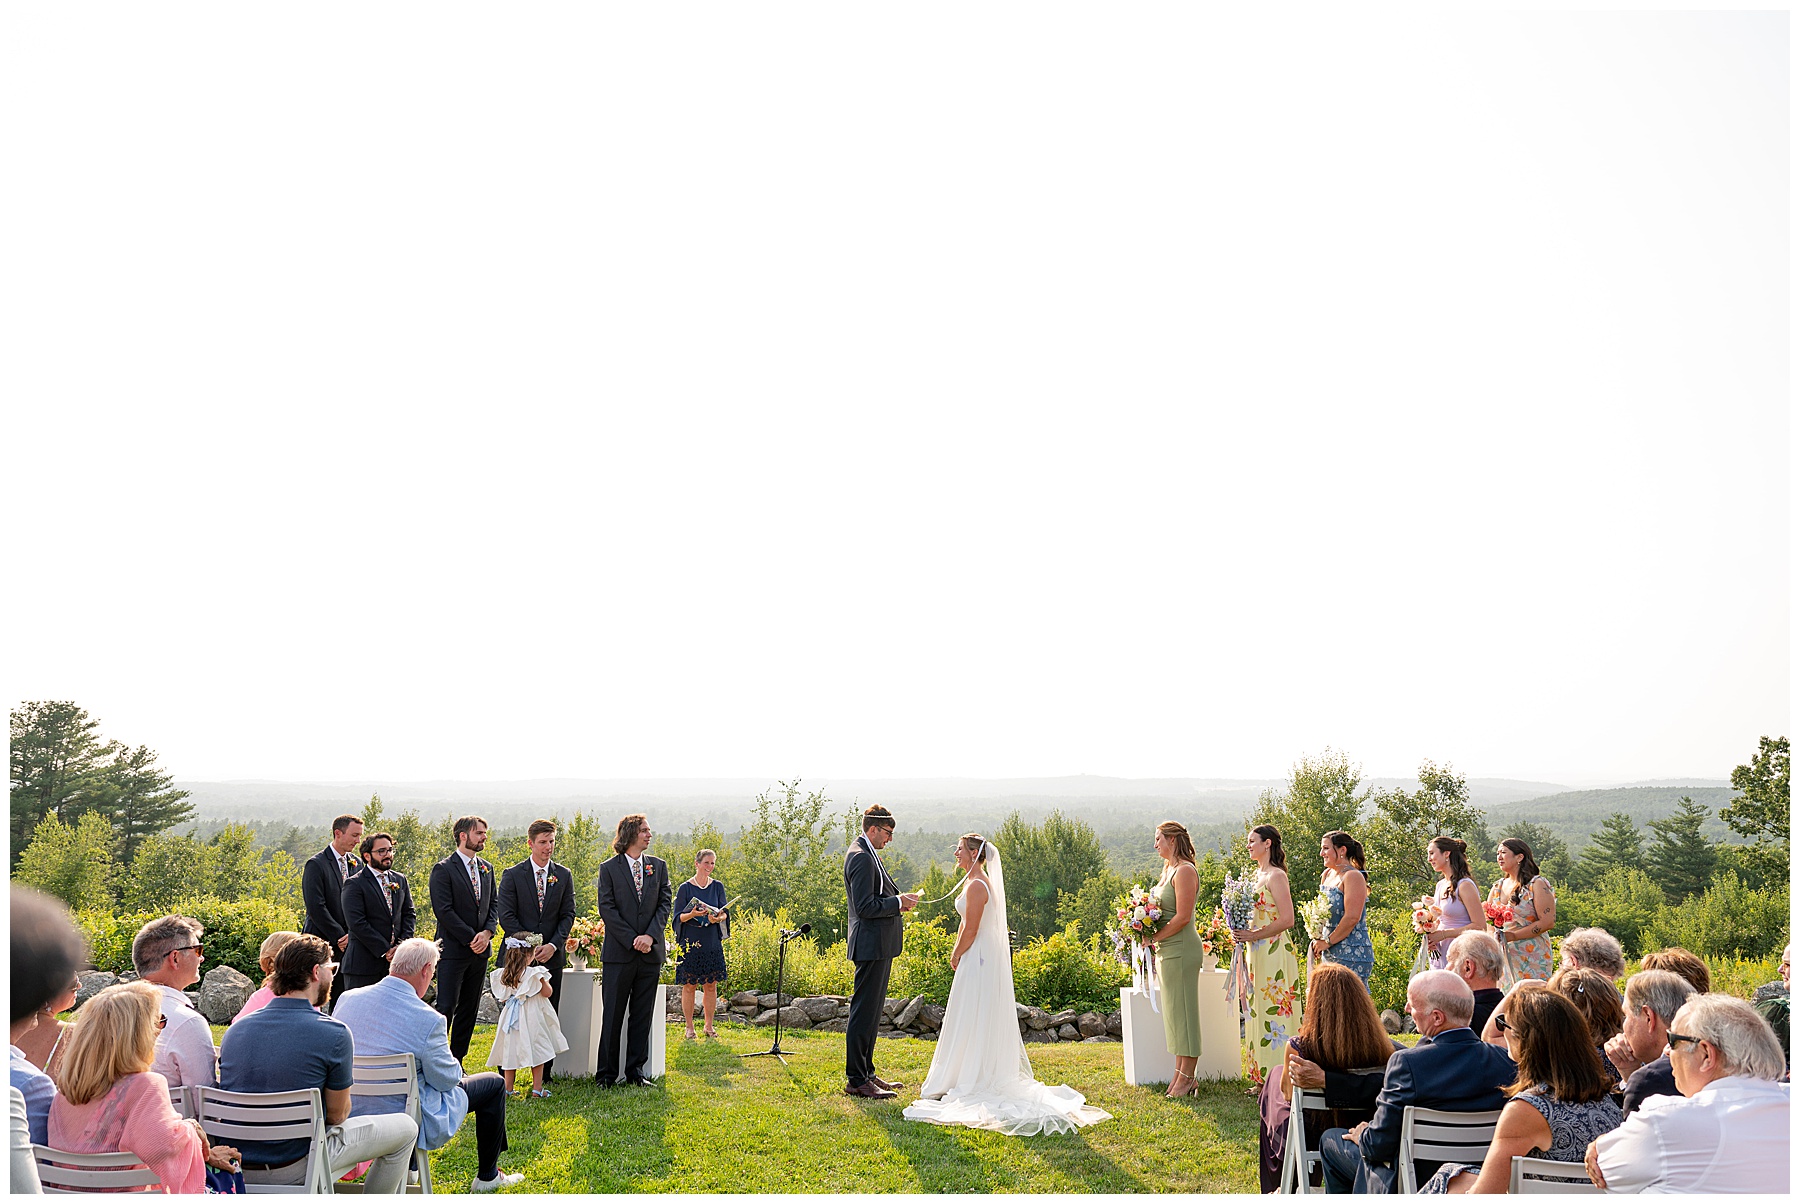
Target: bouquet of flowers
x: 585, y: 936
x: 1137, y: 916
x: 1315, y: 918
x: 1498, y: 914
x: 1216, y: 936
x: 1425, y: 916
x: 1238, y: 902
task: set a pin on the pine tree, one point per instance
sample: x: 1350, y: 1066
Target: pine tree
x: 136, y: 797
x: 1682, y: 858
x: 1762, y: 813
x: 1618, y: 844
x: 56, y: 755
x: 1551, y: 852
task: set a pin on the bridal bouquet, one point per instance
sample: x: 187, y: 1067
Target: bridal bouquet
x: 1238, y: 902
x: 1138, y: 916
x: 1315, y: 917
x: 1425, y: 916
x: 1498, y: 914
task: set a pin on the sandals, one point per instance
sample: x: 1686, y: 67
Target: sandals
x: 1176, y: 1090
x: 540, y: 1093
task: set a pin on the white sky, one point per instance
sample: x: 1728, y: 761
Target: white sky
x: 455, y: 392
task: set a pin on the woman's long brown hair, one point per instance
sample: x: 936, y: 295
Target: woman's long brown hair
x: 1555, y: 1049
x: 1341, y: 1030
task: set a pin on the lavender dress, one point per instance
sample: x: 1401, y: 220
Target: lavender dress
x: 1455, y: 915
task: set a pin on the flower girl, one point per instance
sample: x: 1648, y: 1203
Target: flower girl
x: 528, y: 1035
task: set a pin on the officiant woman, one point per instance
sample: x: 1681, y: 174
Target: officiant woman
x: 701, y: 933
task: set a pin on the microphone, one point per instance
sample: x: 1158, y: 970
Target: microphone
x: 788, y: 934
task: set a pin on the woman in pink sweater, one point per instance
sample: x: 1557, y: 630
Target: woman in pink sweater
x: 109, y: 1101
x: 265, y: 957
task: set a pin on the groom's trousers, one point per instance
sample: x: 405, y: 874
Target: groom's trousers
x: 867, y: 999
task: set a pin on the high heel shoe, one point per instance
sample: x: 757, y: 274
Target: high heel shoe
x: 1176, y: 1090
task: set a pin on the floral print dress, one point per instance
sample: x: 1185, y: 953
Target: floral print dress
x: 1528, y: 958
x: 1275, y: 978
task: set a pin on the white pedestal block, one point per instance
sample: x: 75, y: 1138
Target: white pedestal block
x: 1147, y: 1056
x: 581, y: 1015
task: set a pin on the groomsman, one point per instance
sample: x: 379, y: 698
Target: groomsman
x: 634, y: 895
x: 462, y: 899
x: 537, y: 895
x: 322, y: 887
x: 378, y: 911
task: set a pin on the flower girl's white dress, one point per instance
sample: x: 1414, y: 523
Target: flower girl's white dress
x: 528, y: 1034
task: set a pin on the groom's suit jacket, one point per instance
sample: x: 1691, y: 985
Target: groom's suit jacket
x: 874, y: 933
x: 630, y: 914
x: 374, y: 928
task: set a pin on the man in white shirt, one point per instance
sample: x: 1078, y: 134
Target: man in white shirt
x: 1728, y: 1129
x: 168, y: 952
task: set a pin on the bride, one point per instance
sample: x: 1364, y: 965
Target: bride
x: 980, y: 1076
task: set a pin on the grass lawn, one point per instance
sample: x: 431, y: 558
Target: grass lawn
x: 719, y: 1123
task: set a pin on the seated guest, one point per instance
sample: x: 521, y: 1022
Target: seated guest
x: 1771, y: 1003
x: 1640, y: 1051
x: 1479, y: 960
x: 111, y: 1102
x: 1594, y: 949
x: 1341, y: 1049
x: 167, y: 953
x: 1596, y: 997
x: 392, y: 1017
x: 1450, y: 1069
x: 42, y: 1044
x: 47, y: 949
x: 290, y: 1046
x: 1728, y: 1129
x: 1560, y: 1100
x: 265, y: 957
x: 1677, y: 960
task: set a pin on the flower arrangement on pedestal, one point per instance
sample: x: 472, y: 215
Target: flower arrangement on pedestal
x: 1216, y: 937
x: 586, y: 935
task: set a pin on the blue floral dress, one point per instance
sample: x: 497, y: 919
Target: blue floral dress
x: 1572, y: 1127
x: 702, y: 943
x: 1354, y: 951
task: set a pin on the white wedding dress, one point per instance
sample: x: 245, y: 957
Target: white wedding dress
x: 980, y: 1076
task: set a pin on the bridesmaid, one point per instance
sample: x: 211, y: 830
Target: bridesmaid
x: 1528, y: 893
x: 1456, y: 894
x: 1346, y: 885
x: 1178, y: 953
x: 1274, y: 969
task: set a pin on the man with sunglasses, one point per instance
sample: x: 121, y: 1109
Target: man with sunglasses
x: 168, y: 953
x: 1728, y: 1129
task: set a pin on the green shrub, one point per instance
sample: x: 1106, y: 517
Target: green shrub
x: 1063, y: 971
x: 1728, y: 920
x: 923, y: 967
x: 233, y: 932
x: 753, y: 949
x: 1625, y: 902
x: 1396, y: 948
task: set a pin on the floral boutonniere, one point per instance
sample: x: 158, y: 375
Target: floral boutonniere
x: 353, y: 861
x: 648, y: 869
x: 393, y: 887
x: 549, y: 881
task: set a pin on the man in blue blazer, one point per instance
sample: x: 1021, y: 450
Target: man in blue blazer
x: 1450, y: 1069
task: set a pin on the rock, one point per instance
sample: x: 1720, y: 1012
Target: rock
x: 1037, y: 1036
x: 769, y: 1000
x: 746, y: 1009
x: 1069, y: 1032
x: 1392, y: 1022
x: 1102, y: 1038
x: 892, y: 1033
x: 1037, y: 1018
x: 836, y: 1024
x: 932, y: 1016
x: 743, y: 999
x: 1410, y: 1026
x: 844, y: 1010
x: 92, y: 982
x: 488, y: 1010
x: 1023, y: 1012
x: 818, y: 1008
x: 222, y: 992
x: 764, y: 1017
x: 791, y: 1017
x: 910, y: 1012
x: 1091, y: 1025
x: 1066, y: 1016
x: 892, y: 1007
x: 1115, y: 1024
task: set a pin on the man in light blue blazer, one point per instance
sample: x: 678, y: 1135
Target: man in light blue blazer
x: 392, y: 1017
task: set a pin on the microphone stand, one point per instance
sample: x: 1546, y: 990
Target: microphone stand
x: 775, y: 1050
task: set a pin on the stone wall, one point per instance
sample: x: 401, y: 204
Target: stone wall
x: 900, y: 1017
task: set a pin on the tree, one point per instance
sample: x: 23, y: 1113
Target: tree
x: 586, y: 841
x: 1624, y: 901
x: 233, y: 864
x: 56, y: 754
x: 1761, y: 815
x: 279, y: 884
x: 1042, y: 864
x: 73, y: 862
x: 783, y: 859
x: 1403, y: 823
x: 1090, y: 907
x: 1321, y: 796
x: 138, y: 798
x: 165, y: 869
x: 1682, y: 859
x: 1617, y: 845
x: 680, y: 852
x: 1551, y: 852
x: 938, y: 881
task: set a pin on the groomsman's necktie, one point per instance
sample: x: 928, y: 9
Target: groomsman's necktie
x: 540, y: 885
x: 637, y: 875
x: 475, y: 881
x: 387, y: 895
x: 343, y: 872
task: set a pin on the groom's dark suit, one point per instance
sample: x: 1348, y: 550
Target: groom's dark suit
x: 873, y: 942
x: 627, y: 976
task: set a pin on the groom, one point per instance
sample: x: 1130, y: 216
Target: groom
x: 873, y: 942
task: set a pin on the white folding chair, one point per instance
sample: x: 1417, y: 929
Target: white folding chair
x: 234, y: 1117
x: 1299, y: 1161
x: 1434, y: 1136
x: 62, y: 1173
x: 1542, y: 1176
x: 178, y: 1099
x: 392, y: 1074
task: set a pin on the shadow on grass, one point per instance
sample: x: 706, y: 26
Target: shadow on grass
x: 937, y: 1153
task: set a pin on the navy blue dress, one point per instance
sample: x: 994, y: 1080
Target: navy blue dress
x: 702, y: 942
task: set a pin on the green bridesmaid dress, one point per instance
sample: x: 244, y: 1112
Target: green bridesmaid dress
x: 1178, y: 979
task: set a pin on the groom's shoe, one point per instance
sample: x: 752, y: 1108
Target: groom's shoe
x: 885, y: 1085
x: 869, y: 1090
